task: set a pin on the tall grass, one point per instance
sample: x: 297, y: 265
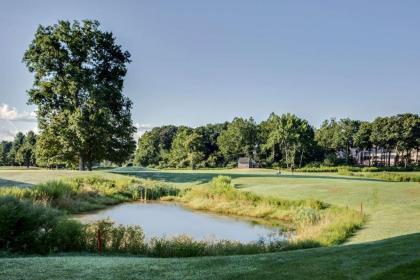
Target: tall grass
x: 89, y: 193
x: 315, y: 223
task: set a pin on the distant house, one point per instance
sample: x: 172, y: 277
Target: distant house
x: 246, y: 162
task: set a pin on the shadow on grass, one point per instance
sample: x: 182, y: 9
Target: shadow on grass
x: 202, y: 177
x: 11, y: 183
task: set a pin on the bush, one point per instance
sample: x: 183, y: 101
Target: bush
x: 114, y: 239
x: 305, y: 215
x: 66, y: 236
x: 31, y: 228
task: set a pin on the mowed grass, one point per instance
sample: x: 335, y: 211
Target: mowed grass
x: 23, y: 177
x: 381, y: 260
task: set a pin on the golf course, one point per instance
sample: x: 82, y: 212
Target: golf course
x: 386, y: 247
x: 209, y: 140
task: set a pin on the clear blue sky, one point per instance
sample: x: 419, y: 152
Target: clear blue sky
x: 196, y: 62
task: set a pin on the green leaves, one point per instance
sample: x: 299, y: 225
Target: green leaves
x: 79, y: 72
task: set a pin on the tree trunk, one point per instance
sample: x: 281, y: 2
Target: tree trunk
x: 301, y: 158
x: 417, y: 156
x: 81, y: 163
x: 389, y: 158
x: 376, y: 155
x: 89, y: 166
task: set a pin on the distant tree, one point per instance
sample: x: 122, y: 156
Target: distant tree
x: 345, y: 137
x: 385, y: 131
x: 209, y: 134
x: 362, y: 138
x: 79, y: 72
x: 5, y: 148
x: 187, y: 149
x: 291, y: 136
x: 239, y: 139
x: 408, y: 137
x: 325, y: 135
x: 338, y: 136
x: 148, y: 148
x: 25, y: 155
x: 16, y: 144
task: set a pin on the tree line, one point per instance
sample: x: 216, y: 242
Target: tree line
x: 284, y: 141
x: 20, y: 151
x: 84, y: 119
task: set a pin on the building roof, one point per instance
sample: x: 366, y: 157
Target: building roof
x: 244, y: 160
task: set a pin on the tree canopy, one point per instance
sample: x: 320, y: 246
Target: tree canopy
x: 78, y: 81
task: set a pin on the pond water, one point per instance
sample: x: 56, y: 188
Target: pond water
x: 170, y: 219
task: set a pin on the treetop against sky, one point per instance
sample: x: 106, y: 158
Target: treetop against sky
x: 209, y: 61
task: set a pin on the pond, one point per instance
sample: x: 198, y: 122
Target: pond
x: 171, y: 219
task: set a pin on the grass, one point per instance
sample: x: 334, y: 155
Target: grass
x: 404, y: 271
x: 315, y: 223
x: 393, y: 209
x: 359, y: 261
x: 86, y: 193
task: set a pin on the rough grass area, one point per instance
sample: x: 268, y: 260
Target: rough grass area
x: 359, y: 261
x: 315, y: 223
x: 393, y: 207
x: 82, y: 194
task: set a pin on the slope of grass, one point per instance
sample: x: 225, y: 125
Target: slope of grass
x: 360, y: 261
x: 405, y: 271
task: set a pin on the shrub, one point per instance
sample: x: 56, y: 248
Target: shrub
x: 115, y: 239
x: 31, y: 228
x: 305, y: 215
x: 66, y: 236
x: 222, y: 185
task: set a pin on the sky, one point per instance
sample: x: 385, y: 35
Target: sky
x: 197, y: 62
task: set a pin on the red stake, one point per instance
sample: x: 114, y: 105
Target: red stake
x: 99, y: 242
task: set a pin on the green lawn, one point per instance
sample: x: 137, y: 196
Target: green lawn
x: 379, y: 259
x: 393, y: 209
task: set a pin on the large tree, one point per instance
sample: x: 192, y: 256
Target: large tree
x: 78, y: 81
